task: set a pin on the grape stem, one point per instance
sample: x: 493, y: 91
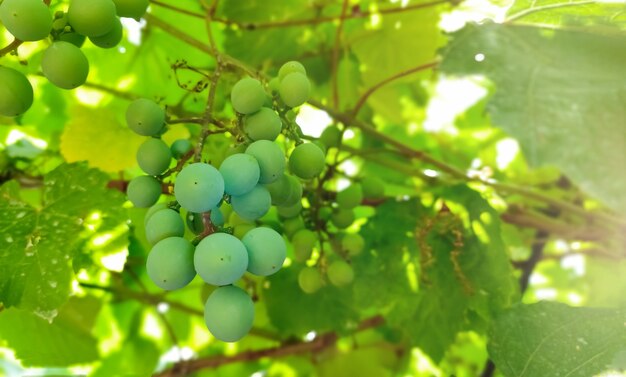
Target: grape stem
x: 16, y: 42
x: 316, y: 345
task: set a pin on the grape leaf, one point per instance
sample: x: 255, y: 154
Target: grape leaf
x: 559, y: 93
x: 293, y: 312
x: 559, y: 12
x: 68, y: 340
x: 552, y: 339
x: 37, y: 244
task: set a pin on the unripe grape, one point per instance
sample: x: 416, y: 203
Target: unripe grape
x: 131, y: 8
x: 152, y: 210
x: 154, y: 156
x: 92, y: 17
x: 143, y: 191
x: 295, y: 89
x: 342, y: 218
x: 247, y: 96
x: 353, y: 243
x: 110, y: 39
x: 279, y: 190
x: 292, y: 225
x: 270, y: 158
x: 303, y: 242
x: 266, y: 251
x: 295, y: 192
x: 253, y: 204
x: 16, y: 92
x: 195, y: 223
x: 170, y: 263
x: 65, y: 65
x: 290, y: 211
x: 290, y: 67
x: 373, y: 188
x: 199, y: 187
x: 234, y: 149
x: 307, y: 161
x: 229, y: 313
x: 145, y: 117
x: 74, y: 38
x: 180, y: 148
x: 27, y: 20
x: 220, y: 259
x: 274, y: 84
x: 350, y: 197
x: 265, y: 124
x: 217, y: 217
x: 241, y: 230
x: 331, y: 137
x: 164, y: 224
x: 309, y: 280
x: 340, y: 273
x: 241, y: 173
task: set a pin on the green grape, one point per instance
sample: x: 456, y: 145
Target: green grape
x: 16, y: 92
x: 164, y: 224
x: 290, y: 67
x: 65, y: 65
x: 342, y: 218
x: 253, y: 204
x: 307, y: 160
x: 265, y: 124
x: 270, y: 158
x: 295, y: 192
x: 340, y: 273
x: 234, y: 149
x: 131, y: 8
x: 309, y: 280
x: 373, y: 188
x: 92, y: 17
x: 241, y: 230
x: 274, y: 84
x: 303, y: 242
x: 199, y: 187
x: 152, y: 210
x: 325, y: 213
x: 350, y: 197
x: 241, y: 173
x: 154, y: 156
x: 292, y: 225
x: 143, y: 191
x: 290, y: 211
x: 194, y: 222
x: 279, y: 190
x: 331, y: 137
x: 229, y: 313
x: 295, y: 89
x: 170, y: 263
x: 353, y: 243
x: 247, y: 96
x: 74, y: 38
x: 266, y: 251
x: 217, y: 217
x: 180, y: 148
x: 145, y: 117
x: 27, y: 20
x: 321, y: 146
x: 220, y: 259
x: 110, y: 39
x: 234, y: 219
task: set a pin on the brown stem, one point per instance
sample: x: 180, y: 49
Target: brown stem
x: 386, y: 81
x: 318, y: 344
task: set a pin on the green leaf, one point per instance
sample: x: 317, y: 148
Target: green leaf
x: 66, y: 341
x: 295, y: 313
x: 559, y: 93
x: 38, y: 244
x: 559, y: 12
x: 552, y: 339
x: 137, y: 357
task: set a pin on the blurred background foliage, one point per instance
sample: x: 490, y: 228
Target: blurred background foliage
x: 499, y: 129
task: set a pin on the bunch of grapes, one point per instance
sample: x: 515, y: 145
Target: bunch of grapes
x: 246, y: 184
x: 63, y: 63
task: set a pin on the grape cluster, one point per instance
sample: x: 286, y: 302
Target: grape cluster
x: 63, y: 63
x: 242, y: 188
